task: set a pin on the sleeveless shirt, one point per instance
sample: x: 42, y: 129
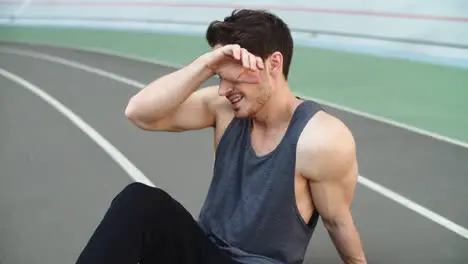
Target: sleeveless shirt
x: 250, y: 209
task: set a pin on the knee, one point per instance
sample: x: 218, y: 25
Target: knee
x: 137, y: 194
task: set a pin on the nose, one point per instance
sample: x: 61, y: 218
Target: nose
x: 225, y: 87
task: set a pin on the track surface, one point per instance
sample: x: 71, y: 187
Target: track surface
x: 56, y: 183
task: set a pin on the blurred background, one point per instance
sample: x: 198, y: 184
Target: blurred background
x: 403, y: 60
x: 386, y: 68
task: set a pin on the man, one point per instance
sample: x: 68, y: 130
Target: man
x: 280, y: 161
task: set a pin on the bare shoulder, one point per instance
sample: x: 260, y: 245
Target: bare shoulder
x: 208, y: 95
x: 326, y: 149
x: 217, y: 104
x: 221, y: 108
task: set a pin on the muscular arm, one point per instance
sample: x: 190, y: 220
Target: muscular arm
x: 171, y: 103
x: 332, y: 173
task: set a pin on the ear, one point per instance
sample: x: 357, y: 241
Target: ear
x: 276, y: 63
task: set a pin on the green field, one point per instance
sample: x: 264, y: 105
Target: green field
x: 427, y: 96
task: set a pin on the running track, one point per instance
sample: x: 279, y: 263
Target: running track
x: 56, y: 182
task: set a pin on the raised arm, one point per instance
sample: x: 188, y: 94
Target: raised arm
x: 171, y: 103
x: 329, y: 157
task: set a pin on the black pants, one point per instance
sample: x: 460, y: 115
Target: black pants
x: 145, y: 225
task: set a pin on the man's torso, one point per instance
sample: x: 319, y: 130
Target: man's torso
x: 261, y: 145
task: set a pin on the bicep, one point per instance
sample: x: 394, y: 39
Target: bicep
x: 332, y: 197
x: 328, y: 159
x: 194, y: 113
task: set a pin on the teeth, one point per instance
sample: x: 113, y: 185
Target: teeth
x: 237, y: 99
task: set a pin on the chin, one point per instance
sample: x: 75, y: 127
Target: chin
x: 242, y: 116
x: 243, y: 113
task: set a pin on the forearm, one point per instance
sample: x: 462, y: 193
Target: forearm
x: 345, y: 237
x: 165, y: 94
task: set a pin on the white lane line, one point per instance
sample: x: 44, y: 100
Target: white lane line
x: 390, y: 122
x: 444, y: 222
x: 112, y: 151
x: 377, y: 118
x: 449, y: 224
x: 73, y: 64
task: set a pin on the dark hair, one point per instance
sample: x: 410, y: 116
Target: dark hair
x: 258, y: 31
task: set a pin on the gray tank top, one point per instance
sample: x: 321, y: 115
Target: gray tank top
x: 250, y: 209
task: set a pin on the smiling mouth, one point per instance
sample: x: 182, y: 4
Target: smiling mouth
x: 236, y: 100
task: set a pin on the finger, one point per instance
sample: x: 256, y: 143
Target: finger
x: 253, y: 62
x: 260, y: 64
x: 231, y: 51
x: 245, y: 58
x: 236, y: 52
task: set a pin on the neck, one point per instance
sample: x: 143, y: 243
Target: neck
x: 278, y: 110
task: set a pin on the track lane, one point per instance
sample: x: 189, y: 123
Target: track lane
x: 386, y: 227
x: 101, y: 103
x: 403, y: 161
x: 54, y: 181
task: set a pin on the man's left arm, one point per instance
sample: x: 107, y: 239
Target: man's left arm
x: 332, y: 174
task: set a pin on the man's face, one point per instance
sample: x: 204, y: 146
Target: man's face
x: 247, y: 90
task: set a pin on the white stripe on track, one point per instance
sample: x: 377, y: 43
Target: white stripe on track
x: 380, y: 119
x: 112, y: 151
x: 444, y: 222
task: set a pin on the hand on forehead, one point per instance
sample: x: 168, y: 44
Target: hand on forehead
x: 232, y: 70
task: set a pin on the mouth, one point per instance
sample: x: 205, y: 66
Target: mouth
x: 235, y: 100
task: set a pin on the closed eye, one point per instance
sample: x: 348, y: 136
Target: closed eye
x: 227, y: 79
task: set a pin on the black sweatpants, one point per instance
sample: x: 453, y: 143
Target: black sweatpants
x: 145, y: 225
